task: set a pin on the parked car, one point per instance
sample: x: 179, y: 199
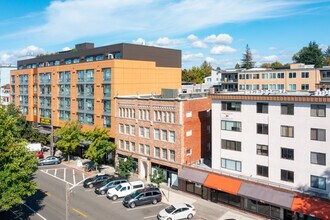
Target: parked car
x: 40, y: 154
x: 49, y: 160
x: 177, y: 211
x: 108, y: 184
x: 124, y: 189
x: 143, y: 197
x: 96, y: 180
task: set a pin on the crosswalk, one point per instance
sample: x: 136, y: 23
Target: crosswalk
x: 65, y: 174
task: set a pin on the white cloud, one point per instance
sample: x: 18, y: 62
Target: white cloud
x: 166, y: 42
x: 66, y: 49
x: 221, y: 38
x: 222, y: 49
x: 192, y: 38
x: 323, y: 46
x: 139, y: 41
x: 65, y: 21
x: 12, y: 57
x: 270, y: 58
x: 199, y: 44
x: 210, y: 59
x: 272, y: 48
x: 192, y: 56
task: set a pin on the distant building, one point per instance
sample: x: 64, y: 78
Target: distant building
x: 5, y: 95
x: 167, y: 130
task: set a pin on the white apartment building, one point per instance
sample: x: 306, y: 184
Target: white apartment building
x: 282, y: 140
x: 5, y: 95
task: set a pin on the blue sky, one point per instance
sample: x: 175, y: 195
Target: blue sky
x: 212, y: 30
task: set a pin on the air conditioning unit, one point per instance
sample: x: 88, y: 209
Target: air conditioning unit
x: 110, y: 56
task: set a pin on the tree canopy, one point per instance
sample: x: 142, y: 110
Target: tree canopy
x: 247, y: 60
x: 311, y: 54
x: 197, y: 74
x: 157, y: 176
x: 125, y: 166
x: 17, y: 163
x: 327, y: 56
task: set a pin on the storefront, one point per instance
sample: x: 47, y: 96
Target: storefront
x: 171, y: 174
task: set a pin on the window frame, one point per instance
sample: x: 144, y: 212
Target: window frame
x: 287, y: 109
x: 287, y: 153
x: 317, y: 109
x: 262, y: 171
x: 262, y: 107
x: 323, y: 163
x: 261, y: 150
x: 264, y: 128
x: 286, y: 174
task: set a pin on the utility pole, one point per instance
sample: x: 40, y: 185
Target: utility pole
x: 51, y: 138
x: 67, y: 192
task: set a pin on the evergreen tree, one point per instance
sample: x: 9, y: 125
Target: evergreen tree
x: 311, y: 54
x: 326, y: 56
x: 247, y: 61
x: 206, y: 69
x: 237, y: 66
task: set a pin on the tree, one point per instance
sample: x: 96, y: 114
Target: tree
x: 247, y: 61
x: 265, y: 65
x: 125, y: 166
x: 237, y: 66
x: 326, y: 56
x: 17, y: 163
x: 158, y: 176
x: 206, y: 68
x: 69, y: 137
x: 197, y: 74
x: 276, y: 64
x: 311, y: 54
x: 100, y: 145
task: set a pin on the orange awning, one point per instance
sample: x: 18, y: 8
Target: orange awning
x: 311, y: 206
x: 223, y: 183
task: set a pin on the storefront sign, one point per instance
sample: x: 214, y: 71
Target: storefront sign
x: 45, y: 121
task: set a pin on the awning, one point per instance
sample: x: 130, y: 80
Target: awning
x: 311, y: 206
x: 266, y: 194
x: 223, y: 183
x: 193, y: 175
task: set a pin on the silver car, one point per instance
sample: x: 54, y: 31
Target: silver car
x: 49, y: 161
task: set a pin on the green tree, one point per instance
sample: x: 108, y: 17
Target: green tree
x: 197, y: 74
x: 311, y: 54
x: 158, y: 176
x: 100, y: 145
x: 237, y: 66
x: 247, y: 61
x: 69, y: 137
x: 326, y: 56
x: 125, y: 166
x: 206, y: 68
x: 17, y: 163
x: 276, y: 64
x: 266, y: 65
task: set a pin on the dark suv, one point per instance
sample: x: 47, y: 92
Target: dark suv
x: 95, y: 180
x: 110, y: 183
x: 145, y: 196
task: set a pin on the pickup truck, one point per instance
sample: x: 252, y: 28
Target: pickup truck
x: 124, y: 189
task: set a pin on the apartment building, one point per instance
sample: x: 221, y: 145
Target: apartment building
x: 80, y: 84
x: 5, y: 95
x: 167, y: 130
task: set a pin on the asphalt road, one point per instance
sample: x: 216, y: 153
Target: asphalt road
x: 49, y: 202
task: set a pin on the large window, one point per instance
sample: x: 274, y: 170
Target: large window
x: 231, y: 126
x: 292, y: 75
x: 262, y: 171
x: 304, y: 74
x: 318, y: 110
x: 287, y: 109
x: 304, y: 86
x: 262, y: 150
x: 287, y: 153
x: 157, y: 152
x: 231, y: 164
x: 106, y: 74
x: 262, y: 128
x: 172, y: 137
x: 172, y: 155
x: 231, y: 145
x: 156, y: 134
x: 318, y: 158
x: 262, y: 107
x: 287, y: 131
x: 231, y: 106
x: 318, y: 182
x: 287, y: 176
x: 318, y: 134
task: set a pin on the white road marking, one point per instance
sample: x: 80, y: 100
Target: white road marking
x: 89, y: 190
x: 78, y: 185
x: 101, y: 195
x: 46, y: 171
x: 74, y: 177
x: 56, y: 177
x: 35, y: 212
x: 64, y: 174
x: 117, y: 202
x: 143, y: 207
x: 153, y: 216
x: 17, y: 216
x: 55, y: 172
x: 83, y: 175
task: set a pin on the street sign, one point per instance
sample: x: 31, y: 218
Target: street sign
x: 45, y: 121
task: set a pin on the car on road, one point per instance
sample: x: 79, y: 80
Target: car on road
x: 177, y: 211
x: 49, y: 161
x: 124, y: 189
x: 143, y: 197
x: 96, y: 180
x: 108, y: 184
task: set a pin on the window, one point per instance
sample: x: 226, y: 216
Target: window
x: 248, y: 76
x: 106, y: 74
x: 304, y: 86
x: 264, y: 87
x: 231, y: 164
x: 231, y: 126
x: 156, y: 134
x: 318, y: 110
x: 164, y: 153
x: 127, y: 131
x: 304, y: 74
x: 121, y: 144
x: 147, y: 134
x: 141, y: 129
x: 318, y: 134
x: 262, y: 171
x: 189, y: 133
x: 164, y: 135
x: 287, y: 131
x: 141, y: 146
x: 262, y: 107
x: 287, y: 176
x: 265, y: 75
x: 188, y: 152
x: 318, y: 182
x: 287, y: 109
x: 231, y: 145
x: 262, y: 128
x: 121, y: 128
x: 255, y: 76
x: 133, y: 130
x: 89, y: 59
x: 147, y: 147
x: 189, y: 114
x: 132, y: 144
x: 280, y: 86
x: 292, y: 87
x: 231, y: 106
x: 172, y: 155
x: 287, y: 153
x: 172, y: 137
x: 241, y: 76
x: 280, y: 75
x: 99, y: 57
x: 75, y: 60
x: 318, y: 158
x: 272, y: 75
x: 292, y: 75
x: 157, y: 152
x: 262, y: 150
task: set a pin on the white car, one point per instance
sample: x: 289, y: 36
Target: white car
x: 177, y: 211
